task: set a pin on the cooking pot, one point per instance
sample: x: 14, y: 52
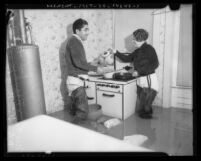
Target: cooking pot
x: 95, y: 112
x: 109, y: 75
x: 123, y: 76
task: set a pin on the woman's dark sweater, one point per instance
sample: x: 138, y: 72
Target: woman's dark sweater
x: 144, y: 59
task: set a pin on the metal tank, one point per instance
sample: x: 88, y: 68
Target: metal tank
x: 25, y: 68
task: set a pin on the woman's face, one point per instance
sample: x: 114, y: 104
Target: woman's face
x: 137, y: 43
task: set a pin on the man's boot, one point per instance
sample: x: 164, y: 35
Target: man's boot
x: 80, y: 104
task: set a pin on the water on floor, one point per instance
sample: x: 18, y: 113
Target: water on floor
x: 169, y: 131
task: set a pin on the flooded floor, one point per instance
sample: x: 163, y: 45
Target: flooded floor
x: 169, y: 131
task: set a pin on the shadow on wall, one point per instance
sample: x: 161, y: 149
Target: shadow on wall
x: 63, y: 67
x: 129, y: 45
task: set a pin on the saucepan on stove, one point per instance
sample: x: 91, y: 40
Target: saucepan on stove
x: 122, y: 76
x: 111, y: 75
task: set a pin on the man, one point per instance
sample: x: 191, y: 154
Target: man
x: 145, y: 62
x: 77, y: 65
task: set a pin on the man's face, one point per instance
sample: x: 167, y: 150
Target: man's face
x: 83, y: 33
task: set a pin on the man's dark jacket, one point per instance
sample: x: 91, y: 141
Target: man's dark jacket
x: 76, y: 58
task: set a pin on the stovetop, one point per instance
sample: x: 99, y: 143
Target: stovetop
x: 121, y: 80
x: 113, y: 81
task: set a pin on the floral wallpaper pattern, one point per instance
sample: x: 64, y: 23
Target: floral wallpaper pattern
x: 50, y: 29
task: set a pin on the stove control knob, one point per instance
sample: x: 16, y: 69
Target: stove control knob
x: 116, y: 86
x: 112, y: 86
x: 102, y: 85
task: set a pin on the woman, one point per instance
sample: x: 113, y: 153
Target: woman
x: 145, y: 62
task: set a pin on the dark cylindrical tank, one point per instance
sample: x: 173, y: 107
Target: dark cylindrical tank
x: 26, y: 75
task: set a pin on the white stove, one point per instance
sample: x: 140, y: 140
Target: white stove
x: 117, y: 98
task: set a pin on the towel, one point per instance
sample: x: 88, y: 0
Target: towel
x: 136, y: 139
x: 73, y: 83
x: 111, y: 122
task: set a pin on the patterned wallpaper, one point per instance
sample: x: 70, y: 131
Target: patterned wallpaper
x: 50, y: 29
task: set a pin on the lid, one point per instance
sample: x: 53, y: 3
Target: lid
x: 123, y: 76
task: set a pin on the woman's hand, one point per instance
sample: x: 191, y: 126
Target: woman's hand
x: 114, y: 51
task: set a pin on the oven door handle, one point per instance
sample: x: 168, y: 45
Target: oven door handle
x: 108, y: 95
x: 90, y: 98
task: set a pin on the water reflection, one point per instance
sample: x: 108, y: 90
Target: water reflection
x: 137, y: 126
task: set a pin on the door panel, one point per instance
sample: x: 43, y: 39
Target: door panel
x: 111, y: 103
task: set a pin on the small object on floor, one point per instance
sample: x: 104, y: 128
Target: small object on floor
x: 136, y: 140
x: 112, y: 122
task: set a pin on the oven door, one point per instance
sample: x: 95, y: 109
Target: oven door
x: 111, y: 103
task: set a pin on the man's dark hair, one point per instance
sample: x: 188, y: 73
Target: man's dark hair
x: 140, y: 35
x: 78, y: 24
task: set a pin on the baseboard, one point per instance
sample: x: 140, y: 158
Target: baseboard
x: 181, y: 98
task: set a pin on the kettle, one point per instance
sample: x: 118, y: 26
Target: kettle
x: 109, y: 57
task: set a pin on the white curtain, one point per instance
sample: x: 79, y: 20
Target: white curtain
x: 184, y: 69
x: 166, y: 43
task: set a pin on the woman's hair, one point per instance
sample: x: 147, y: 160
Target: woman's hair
x: 78, y: 24
x: 140, y: 35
